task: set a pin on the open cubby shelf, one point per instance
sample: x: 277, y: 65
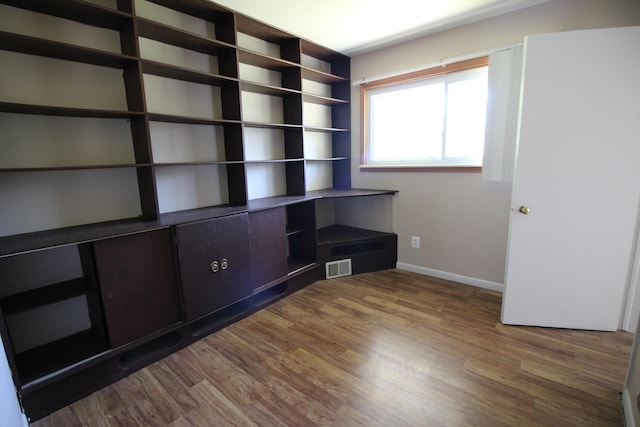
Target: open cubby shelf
x: 57, y: 355
x: 168, y: 118
x: 181, y: 73
x: 267, y: 89
x: 296, y: 264
x: 184, y: 39
x: 38, y: 297
x: 51, y: 49
x: 271, y: 125
x: 50, y: 110
x: 324, y: 129
x: 75, y: 10
x: 250, y: 57
x: 70, y: 168
x: 321, y: 77
x: 338, y: 233
x: 324, y: 100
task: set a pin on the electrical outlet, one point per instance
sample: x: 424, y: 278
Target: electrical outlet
x: 415, y: 241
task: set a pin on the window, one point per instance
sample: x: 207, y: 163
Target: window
x: 430, y: 118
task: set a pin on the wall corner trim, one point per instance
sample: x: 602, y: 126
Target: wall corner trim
x: 627, y: 408
x: 480, y: 283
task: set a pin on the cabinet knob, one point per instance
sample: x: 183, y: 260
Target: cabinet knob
x: 224, y: 264
x: 215, y: 266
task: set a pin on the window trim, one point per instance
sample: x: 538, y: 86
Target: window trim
x: 482, y: 61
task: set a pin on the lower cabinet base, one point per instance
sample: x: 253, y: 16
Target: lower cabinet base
x: 41, y: 398
x: 46, y: 395
x: 368, y: 250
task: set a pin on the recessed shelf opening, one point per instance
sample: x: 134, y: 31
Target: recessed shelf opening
x: 269, y: 295
x: 213, y: 321
x: 150, y: 350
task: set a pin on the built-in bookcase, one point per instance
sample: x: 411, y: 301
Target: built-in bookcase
x: 214, y: 109
x: 128, y: 126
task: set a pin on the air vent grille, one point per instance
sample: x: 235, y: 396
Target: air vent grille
x: 338, y: 268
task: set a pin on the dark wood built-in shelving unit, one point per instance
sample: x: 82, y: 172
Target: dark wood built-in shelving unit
x: 164, y: 175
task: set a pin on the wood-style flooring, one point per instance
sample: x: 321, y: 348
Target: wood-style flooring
x: 391, y: 348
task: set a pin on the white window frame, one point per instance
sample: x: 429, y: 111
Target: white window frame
x: 440, y: 73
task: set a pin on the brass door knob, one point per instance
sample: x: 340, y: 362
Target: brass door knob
x: 524, y: 210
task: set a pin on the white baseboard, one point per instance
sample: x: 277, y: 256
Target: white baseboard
x: 480, y: 283
x: 627, y: 408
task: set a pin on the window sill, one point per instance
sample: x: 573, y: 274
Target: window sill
x: 420, y: 168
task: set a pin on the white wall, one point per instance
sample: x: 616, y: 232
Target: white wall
x: 461, y: 219
x: 10, y: 413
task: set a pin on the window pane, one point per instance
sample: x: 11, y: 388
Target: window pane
x: 406, y: 124
x: 431, y: 118
x: 466, y: 111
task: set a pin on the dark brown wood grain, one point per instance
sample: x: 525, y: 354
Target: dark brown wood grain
x: 138, y: 283
x: 225, y: 242
x: 390, y: 348
x: 268, y: 245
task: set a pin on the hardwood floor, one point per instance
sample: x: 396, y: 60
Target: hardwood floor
x: 382, y: 349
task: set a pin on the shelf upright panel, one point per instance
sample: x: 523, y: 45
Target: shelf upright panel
x: 294, y: 139
x: 294, y: 171
x: 291, y: 50
x: 236, y: 176
x: 292, y: 109
x: 232, y: 110
x: 134, y: 86
x: 341, y: 118
x: 9, y: 349
x: 126, y: 6
x: 341, y: 143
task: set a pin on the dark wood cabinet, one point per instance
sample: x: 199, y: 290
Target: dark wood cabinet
x: 214, y: 264
x: 137, y: 279
x: 268, y: 246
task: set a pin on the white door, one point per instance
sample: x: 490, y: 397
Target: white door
x: 578, y: 177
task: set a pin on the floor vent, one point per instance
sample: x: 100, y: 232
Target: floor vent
x: 338, y: 268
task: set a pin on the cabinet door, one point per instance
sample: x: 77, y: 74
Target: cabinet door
x: 214, y: 264
x: 268, y: 245
x: 138, y: 284
x: 235, y: 262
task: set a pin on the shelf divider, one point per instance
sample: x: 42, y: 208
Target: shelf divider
x: 46, y: 295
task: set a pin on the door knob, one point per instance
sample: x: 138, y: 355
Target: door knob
x: 524, y: 210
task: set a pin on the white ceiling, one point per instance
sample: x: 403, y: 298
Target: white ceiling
x: 357, y: 26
